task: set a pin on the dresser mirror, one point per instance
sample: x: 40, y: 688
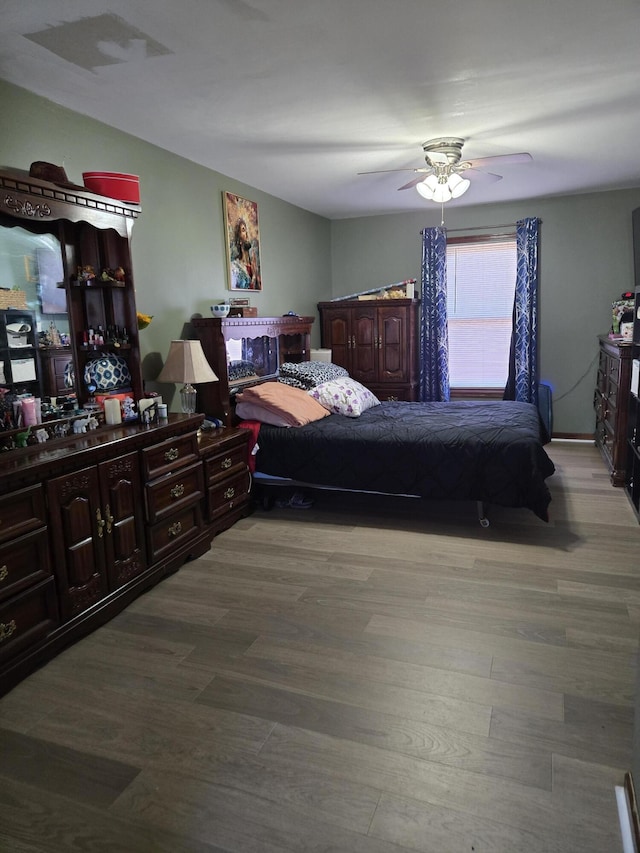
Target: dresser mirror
x: 66, y: 281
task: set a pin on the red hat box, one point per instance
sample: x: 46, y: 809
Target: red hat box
x: 114, y: 185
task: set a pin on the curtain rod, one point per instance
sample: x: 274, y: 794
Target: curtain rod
x: 482, y: 227
x: 478, y: 228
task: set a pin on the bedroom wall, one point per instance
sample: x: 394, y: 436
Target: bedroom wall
x: 178, y: 247
x: 586, y: 261
x: 180, y: 262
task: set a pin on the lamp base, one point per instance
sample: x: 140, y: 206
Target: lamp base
x: 188, y: 398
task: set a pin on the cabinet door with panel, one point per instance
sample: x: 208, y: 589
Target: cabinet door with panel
x: 376, y: 342
x: 96, y: 531
x: 28, y: 604
x: 123, y: 528
x: 77, y: 538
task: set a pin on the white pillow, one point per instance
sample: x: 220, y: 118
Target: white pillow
x: 344, y: 396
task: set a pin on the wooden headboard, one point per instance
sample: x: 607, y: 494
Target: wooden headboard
x: 288, y: 339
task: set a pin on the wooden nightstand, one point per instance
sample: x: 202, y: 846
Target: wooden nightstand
x: 227, y: 480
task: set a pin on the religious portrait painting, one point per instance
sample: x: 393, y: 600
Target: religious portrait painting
x: 243, y: 242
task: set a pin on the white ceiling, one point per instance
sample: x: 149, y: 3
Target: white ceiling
x: 296, y: 97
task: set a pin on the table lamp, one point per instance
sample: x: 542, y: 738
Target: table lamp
x: 187, y: 363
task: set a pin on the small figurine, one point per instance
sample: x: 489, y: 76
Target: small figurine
x: 42, y: 435
x: 128, y: 409
x: 86, y: 273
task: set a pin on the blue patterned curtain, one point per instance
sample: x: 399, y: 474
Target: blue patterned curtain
x: 434, y: 339
x: 522, y: 383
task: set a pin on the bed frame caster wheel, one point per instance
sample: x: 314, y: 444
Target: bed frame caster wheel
x: 482, y: 518
x: 267, y: 501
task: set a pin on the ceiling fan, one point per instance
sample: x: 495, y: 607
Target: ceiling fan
x: 444, y: 176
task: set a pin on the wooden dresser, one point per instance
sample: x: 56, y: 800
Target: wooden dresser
x: 611, y: 402
x: 88, y: 523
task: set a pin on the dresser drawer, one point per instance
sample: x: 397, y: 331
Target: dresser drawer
x: 169, y: 456
x: 168, y: 535
x: 229, y: 494
x: 27, y: 618
x: 21, y: 512
x: 222, y: 465
x: 613, y: 370
x: 23, y: 562
x: 173, y: 492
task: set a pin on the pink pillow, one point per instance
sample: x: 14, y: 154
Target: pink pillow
x: 292, y: 405
x: 255, y: 412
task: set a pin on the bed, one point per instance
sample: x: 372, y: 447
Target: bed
x: 490, y: 452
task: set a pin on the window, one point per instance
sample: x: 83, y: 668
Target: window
x: 481, y: 280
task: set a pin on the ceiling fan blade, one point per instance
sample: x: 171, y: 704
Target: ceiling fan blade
x: 499, y: 160
x: 385, y: 171
x: 479, y: 176
x: 415, y: 181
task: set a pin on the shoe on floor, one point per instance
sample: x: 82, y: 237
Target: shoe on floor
x: 298, y: 500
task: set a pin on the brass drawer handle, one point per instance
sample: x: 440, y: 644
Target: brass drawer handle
x: 110, y: 519
x: 4, y: 572
x: 177, y: 491
x: 7, y: 630
x: 172, y: 454
x: 175, y: 529
x: 226, y: 463
x: 101, y: 524
x: 229, y: 493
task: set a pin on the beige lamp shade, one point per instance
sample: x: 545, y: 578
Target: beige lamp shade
x: 187, y: 363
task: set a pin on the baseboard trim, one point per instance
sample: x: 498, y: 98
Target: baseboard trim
x: 575, y: 436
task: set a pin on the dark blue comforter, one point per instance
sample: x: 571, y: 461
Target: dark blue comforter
x: 483, y: 451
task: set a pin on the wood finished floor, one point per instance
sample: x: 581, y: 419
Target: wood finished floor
x: 369, y: 676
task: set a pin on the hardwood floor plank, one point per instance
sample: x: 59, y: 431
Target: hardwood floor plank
x: 373, y: 675
x: 430, y: 679
x: 339, y: 704
x: 37, y: 821
x: 421, y: 827
x: 71, y: 772
x: 483, y: 797
x: 587, y: 741
x: 238, y: 821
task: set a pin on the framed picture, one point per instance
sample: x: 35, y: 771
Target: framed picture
x: 243, y: 242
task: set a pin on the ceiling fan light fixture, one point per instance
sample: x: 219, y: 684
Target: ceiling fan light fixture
x: 427, y: 187
x: 458, y: 185
x: 443, y: 187
x: 442, y: 193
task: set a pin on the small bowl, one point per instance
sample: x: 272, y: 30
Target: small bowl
x: 221, y: 310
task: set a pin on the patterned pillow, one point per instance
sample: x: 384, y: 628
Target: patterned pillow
x: 308, y: 374
x: 344, y: 396
x: 240, y: 370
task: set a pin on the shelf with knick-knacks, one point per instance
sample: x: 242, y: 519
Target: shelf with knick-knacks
x: 18, y: 353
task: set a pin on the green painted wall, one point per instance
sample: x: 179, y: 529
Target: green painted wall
x: 178, y: 247
x: 180, y: 263
x: 586, y: 261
